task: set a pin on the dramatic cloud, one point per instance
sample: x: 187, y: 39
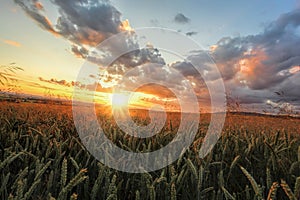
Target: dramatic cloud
x: 84, y: 23
x: 255, y: 66
x: 149, y: 54
x: 264, y: 60
x: 88, y: 23
x: 181, y: 19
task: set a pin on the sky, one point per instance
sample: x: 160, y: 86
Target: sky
x: 255, y: 45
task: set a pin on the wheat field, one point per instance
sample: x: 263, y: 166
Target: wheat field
x: 42, y: 157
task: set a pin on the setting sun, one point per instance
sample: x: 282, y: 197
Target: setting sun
x: 119, y: 100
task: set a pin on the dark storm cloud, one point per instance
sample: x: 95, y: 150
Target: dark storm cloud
x: 87, y: 22
x: 82, y: 22
x: 135, y: 58
x: 181, y: 19
x: 141, y: 56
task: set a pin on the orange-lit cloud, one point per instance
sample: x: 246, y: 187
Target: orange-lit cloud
x: 12, y: 43
x: 156, y: 90
x: 88, y: 37
x: 213, y: 47
x: 39, y: 5
x: 125, y: 26
x: 294, y: 69
x: 249, y: 65
x: 34, y: 10
x: 49, y: 26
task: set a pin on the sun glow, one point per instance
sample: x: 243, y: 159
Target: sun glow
x: 119, y: 100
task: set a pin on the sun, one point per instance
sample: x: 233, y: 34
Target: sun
x: 119, y: 100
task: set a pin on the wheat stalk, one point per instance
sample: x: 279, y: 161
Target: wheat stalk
x: 255, y: 186
x: 75, y: 181
x: 50, y: 180
x: 221, y: 178
x: 31, y: 189
x: 247, y: 190
x: 98, y: 182
x: 64, y: 170
x: 297, y: 188
x: 112, y: 189
x: 287, y: 190
x: 74, y: 163
x: 201, y: 176
x: 273, y: 191
x: 180, y: 177
x: 173, y: 192
x: 137, y: 195
x: 20, y: 189
x: 11, y: 197
x: 74, y: 196
x: 10, y: 159
x: 4, y: 183
x: 233, y: 164
x: 42, y: 170
x: 298, y: 154
x: 152, y: 192
x: 269, y: 178
x: 228, y: 196
x: 192, y: 168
